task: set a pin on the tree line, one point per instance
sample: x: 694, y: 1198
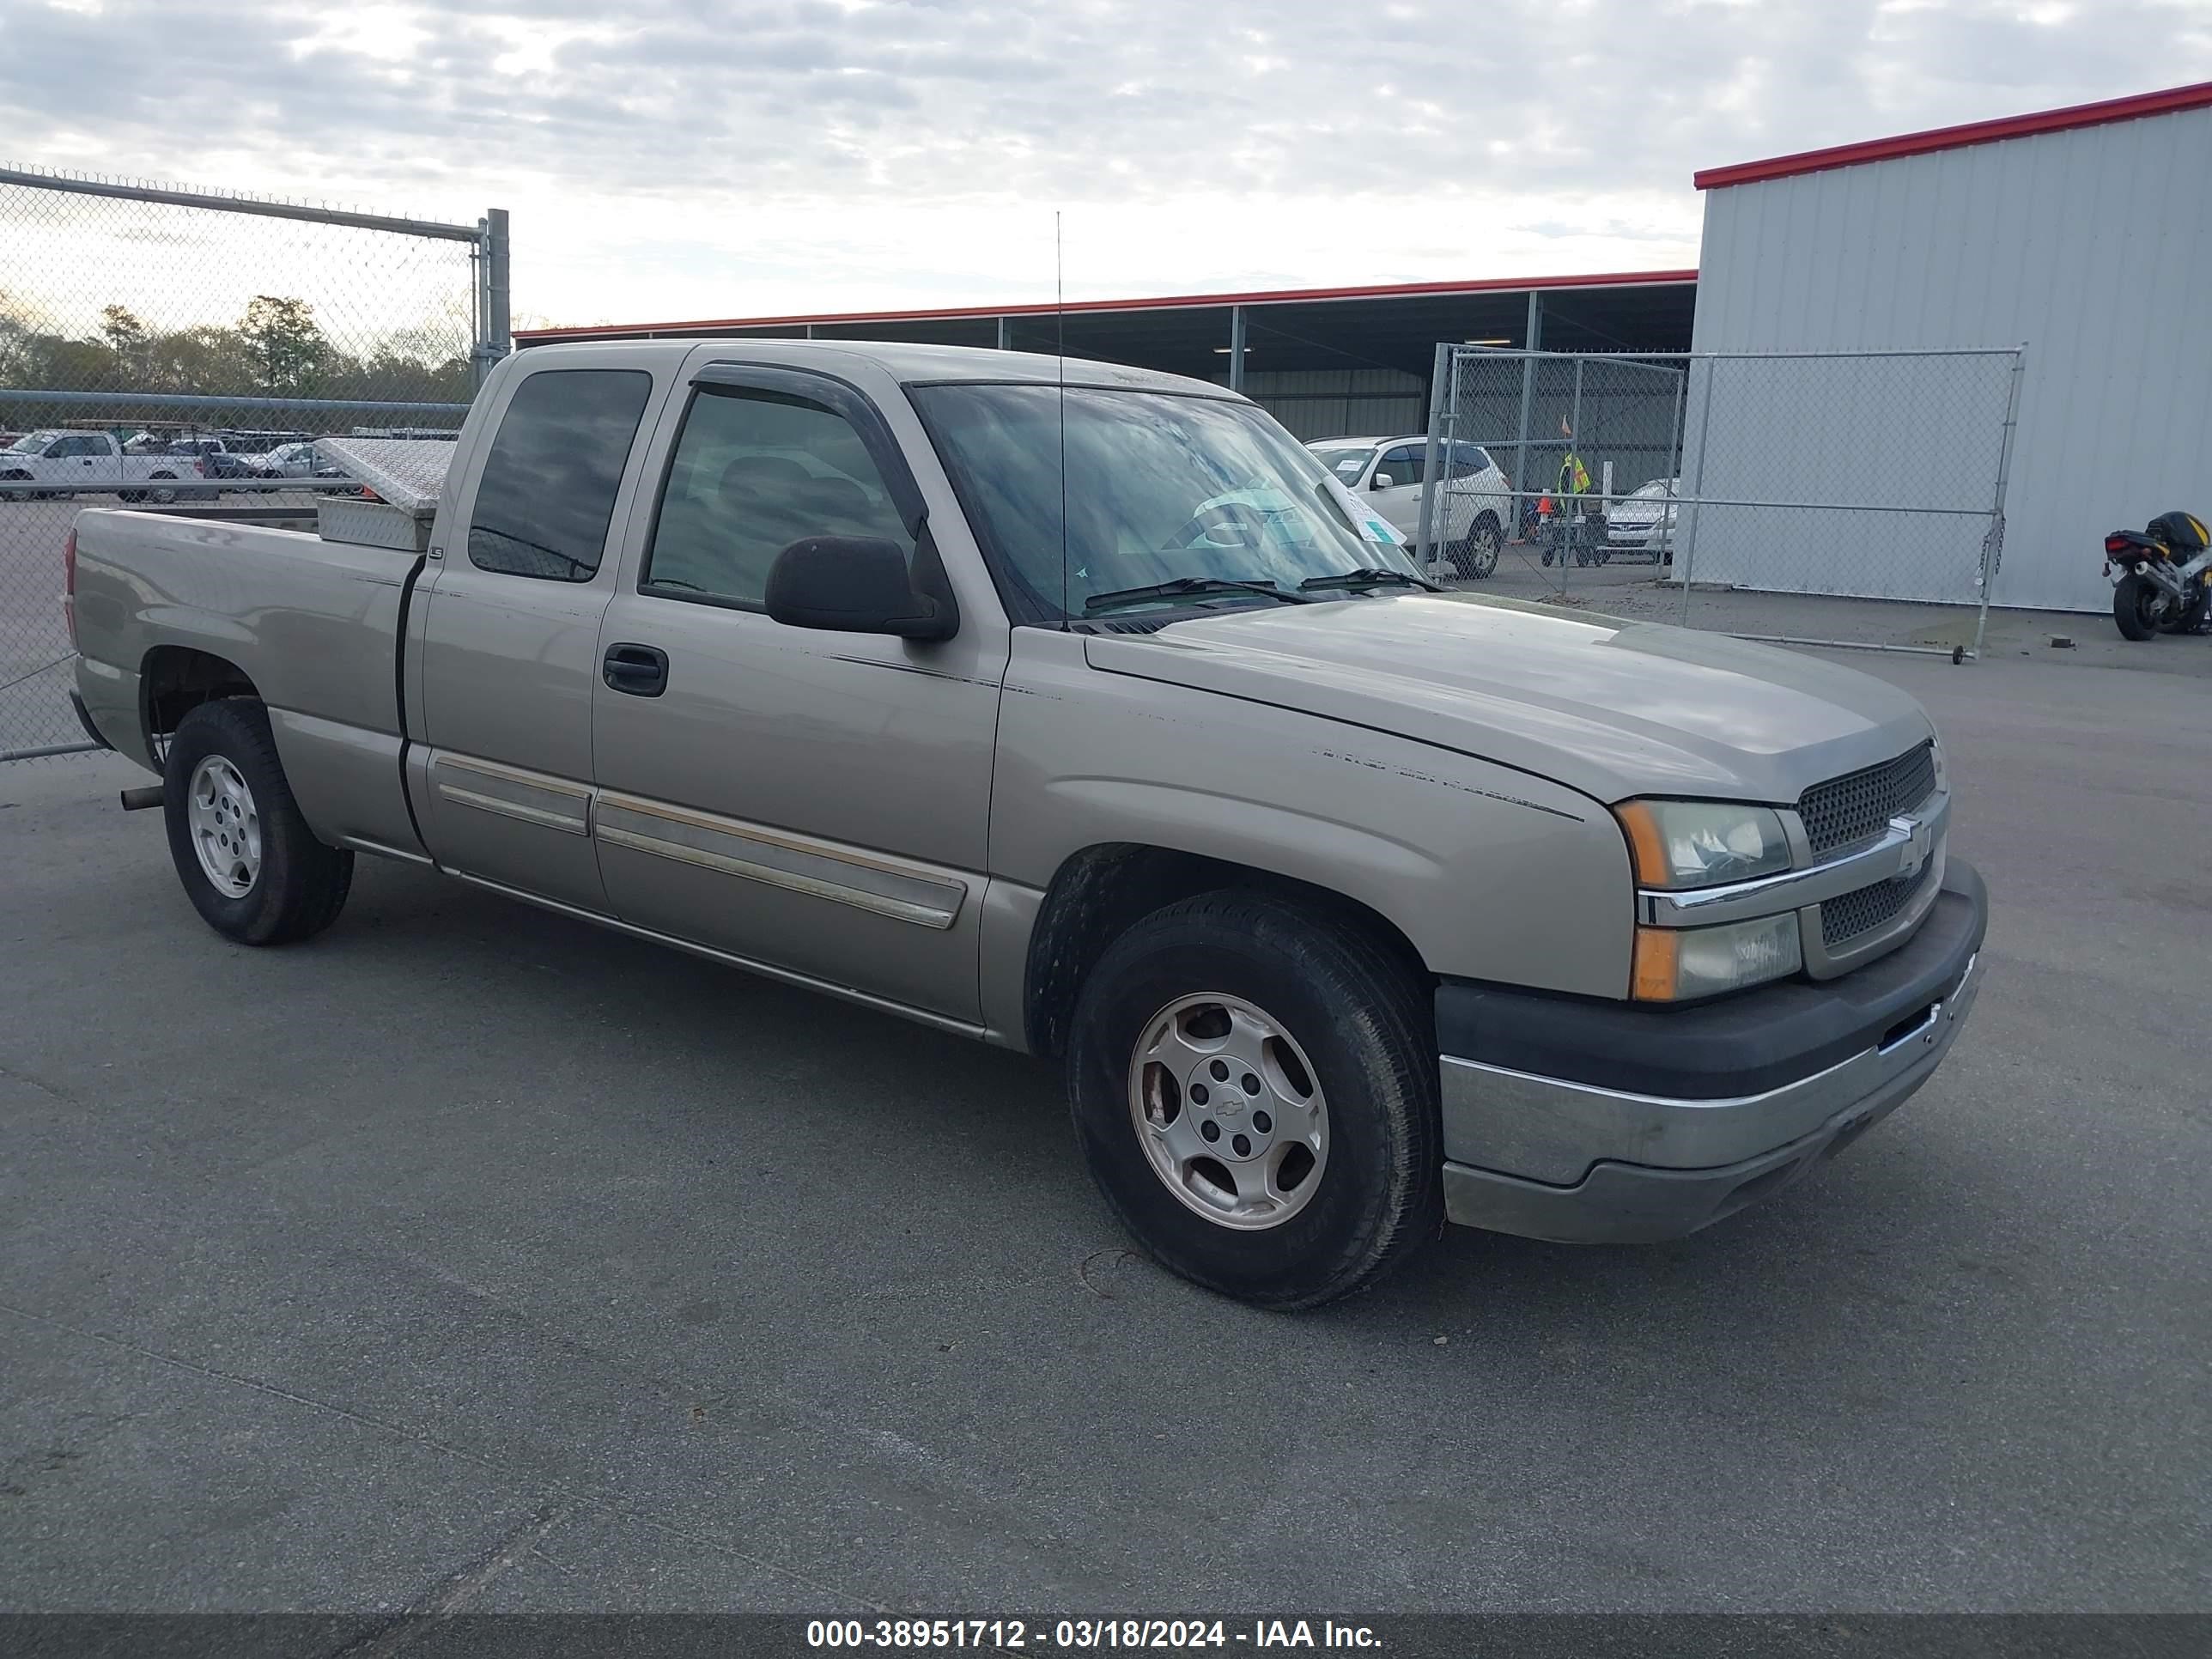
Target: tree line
x: 276, y: 349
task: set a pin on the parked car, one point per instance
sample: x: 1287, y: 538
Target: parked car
x: 208, y: 458
x: 1348, y: 906
x: 67, y: 462
x: 301, y: 460
x: 1387, y: 474
x: 213, y: 458
x: 1642, y: 521
x: 292, y: 460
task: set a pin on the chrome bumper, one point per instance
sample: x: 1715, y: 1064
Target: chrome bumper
x: 1571, y: 1162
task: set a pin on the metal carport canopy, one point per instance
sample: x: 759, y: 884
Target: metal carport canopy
x: 1395, y: 326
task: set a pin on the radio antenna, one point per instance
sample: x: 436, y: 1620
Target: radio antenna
x: 1060, y: 349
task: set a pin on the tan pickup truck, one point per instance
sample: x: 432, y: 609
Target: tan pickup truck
x: 1078, y: 709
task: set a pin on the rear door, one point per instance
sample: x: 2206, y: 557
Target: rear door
x: 811, y: 801
x: 1476, y: 487
x: 505, y: 645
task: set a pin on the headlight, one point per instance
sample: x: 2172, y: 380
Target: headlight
x: 1674, y: 965
x: 1690, y: 843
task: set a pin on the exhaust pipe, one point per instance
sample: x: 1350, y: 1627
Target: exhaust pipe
x: 138, y: 801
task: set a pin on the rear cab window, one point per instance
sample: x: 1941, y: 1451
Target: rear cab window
x: 548, y: 489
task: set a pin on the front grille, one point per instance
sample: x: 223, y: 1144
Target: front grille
x: 1843, y: 919
x: 1846, y: 811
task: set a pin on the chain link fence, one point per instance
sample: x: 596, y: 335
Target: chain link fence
x: 1814, y: 498
x: 181, y: 350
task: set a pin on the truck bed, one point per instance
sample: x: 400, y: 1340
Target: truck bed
x: 313, y: 624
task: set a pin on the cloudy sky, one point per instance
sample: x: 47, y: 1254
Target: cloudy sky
x: 721, y: 158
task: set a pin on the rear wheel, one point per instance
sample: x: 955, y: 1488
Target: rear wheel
x: 2139, y: 606
x: 2188, y: 619
x: 251, y: 868
x: 1254, y: 1086
x: 1476, y: 557
x: 163, y: 496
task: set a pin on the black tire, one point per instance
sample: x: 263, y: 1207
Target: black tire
x: 1476, y: 557
x: 2136, y: 602
x: 1363, y: 1018
x: 301, y: 885
x: 161, y: 497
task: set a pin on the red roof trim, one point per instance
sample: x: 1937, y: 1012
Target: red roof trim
x: 2198, y: 96
x: 1278, y: 296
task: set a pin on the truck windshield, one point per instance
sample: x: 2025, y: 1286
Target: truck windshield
x: 31, y: 443
x: 1158, y: 490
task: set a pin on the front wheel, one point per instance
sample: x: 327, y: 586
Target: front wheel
x: 1254, y: 1086
x: 250, y: 865
x: 2139, y: 606
x: 1476, y: 557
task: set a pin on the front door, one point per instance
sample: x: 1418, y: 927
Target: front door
x: 811, y: 801
x: 508, y: 651
x: 1399, y: 501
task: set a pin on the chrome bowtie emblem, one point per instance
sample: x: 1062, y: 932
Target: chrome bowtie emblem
x: 1919, y: 842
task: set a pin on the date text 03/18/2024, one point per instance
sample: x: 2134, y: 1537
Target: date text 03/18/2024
x: 1085, y: 1634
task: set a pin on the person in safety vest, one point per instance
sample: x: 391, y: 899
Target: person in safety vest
x: 1574, y: 483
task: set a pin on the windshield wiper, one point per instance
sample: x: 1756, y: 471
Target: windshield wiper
x: 1367, y: 576
x: 1183, y: 586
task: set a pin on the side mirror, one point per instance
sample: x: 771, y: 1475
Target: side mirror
x: 852, y: 585
x: 1381, y: 481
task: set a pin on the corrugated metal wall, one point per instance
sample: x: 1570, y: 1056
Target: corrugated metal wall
x: 1340, y: 403
x: 2092, y: 246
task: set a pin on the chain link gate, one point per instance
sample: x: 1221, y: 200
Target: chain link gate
x: 1820, y: 498
x: 182, y: 349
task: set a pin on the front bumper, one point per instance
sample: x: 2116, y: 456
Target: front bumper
x: 1607, y: 1122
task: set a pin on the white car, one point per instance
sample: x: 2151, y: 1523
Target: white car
x: 1472, y: 512
x: 1642, y: 521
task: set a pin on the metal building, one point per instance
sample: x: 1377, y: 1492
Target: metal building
x: 2085, y: 233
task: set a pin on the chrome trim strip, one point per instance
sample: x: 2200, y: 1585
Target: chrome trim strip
x: 1793, y: 889
x: 561, y: 821
x: 899, y: 892
x: 805, y: 981
x: 1552, y: 1130
x: 532, y: 797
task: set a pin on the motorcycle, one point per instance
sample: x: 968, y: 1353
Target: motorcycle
x: 2161, y: 578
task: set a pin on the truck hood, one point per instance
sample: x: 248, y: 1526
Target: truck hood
x: 1612, y: 708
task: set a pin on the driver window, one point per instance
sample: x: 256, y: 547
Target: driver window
x: 1403, y: 464
x: 755, y: 471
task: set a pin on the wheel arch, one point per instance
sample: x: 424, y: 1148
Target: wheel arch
x: 175, y: 679
x: 1101, y: 891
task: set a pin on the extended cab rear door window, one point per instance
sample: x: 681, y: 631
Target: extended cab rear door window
x: 755, y: 471
x: 548, y: 489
